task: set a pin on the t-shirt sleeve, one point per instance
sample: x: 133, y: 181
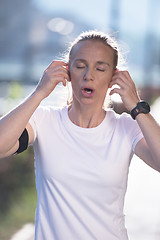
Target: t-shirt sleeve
x: 132, y: 129
x: 36, y: 120
x: 137, y: 137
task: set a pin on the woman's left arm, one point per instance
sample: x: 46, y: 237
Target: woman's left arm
x: 148, y: 148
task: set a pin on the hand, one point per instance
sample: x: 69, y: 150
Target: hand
x: 127, y: 89
x: 55, y: 73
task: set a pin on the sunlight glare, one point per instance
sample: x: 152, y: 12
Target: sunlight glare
x: 60, y: 25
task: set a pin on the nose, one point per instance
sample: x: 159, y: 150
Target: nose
x: 88, y: 74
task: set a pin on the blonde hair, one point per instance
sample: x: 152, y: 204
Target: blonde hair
x: 96, y: 36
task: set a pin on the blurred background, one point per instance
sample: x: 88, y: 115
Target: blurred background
x: 32, y: 34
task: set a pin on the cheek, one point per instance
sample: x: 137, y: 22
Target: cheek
x: 74, y: 80
x: 72, y: 77
x: 76, y: 76
x: 73, y: 73
x: 109, y: 78
x: 106, y: 81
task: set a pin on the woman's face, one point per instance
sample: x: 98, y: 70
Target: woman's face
x: 91, y: 70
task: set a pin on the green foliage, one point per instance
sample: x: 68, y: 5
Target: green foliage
x: 21, y: 211
x: 15, y: 90
x: 17, y: 193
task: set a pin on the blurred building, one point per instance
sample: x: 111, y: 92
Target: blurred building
x: 32, y: 38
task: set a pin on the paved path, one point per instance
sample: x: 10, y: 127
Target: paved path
x: 25, y: 233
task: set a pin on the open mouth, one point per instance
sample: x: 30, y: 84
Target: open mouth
x: 87, y: 92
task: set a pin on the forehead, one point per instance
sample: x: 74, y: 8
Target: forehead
x: 92, y: 49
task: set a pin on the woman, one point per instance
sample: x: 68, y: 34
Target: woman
x: 83, y: 151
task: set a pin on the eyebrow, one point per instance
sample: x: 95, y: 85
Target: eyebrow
x: 98, y: 62
x: 101, y: 62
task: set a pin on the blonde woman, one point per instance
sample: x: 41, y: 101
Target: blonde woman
x: 83, y: 151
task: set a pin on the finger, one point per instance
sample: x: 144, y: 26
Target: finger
x: 60, y: 67
x: 115, y: 90
x: 62, y: 74
x: 64, y: 83
x: 61, y: 79
x: 56, y: 63
x: 119, y: 74
x: 125, y: 76
x: 118, y: 82
x: 122, y: 78
x: 58, y: 71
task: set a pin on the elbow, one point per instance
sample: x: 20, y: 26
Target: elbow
x: 156, y: 163
x: 6, y: 152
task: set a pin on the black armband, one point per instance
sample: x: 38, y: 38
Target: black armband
x: 23, y: 141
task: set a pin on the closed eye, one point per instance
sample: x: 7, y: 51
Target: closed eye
x: 101, y: 70
x: 79, y: 67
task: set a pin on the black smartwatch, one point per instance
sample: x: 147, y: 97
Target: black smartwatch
x: 142, y: 107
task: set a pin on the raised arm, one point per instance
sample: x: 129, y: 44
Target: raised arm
x: 148, y: 149
x: 13, y: 124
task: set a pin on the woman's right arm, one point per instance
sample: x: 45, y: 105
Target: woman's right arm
x: 13, y: 124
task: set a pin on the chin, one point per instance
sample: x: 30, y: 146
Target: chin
x: 91, y: 103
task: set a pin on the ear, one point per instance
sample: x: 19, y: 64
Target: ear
x: 68, y: 67
x: 115, y: 71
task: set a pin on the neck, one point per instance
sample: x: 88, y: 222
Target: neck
x: 86, y: 117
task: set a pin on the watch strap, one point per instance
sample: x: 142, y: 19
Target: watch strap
x: 142, y: 107
x: 134, y: 112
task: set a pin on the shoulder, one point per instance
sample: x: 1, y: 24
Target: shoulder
x: 46, y: 114
x: 122, y: 121
x: 124, y: 117
x: 45, y: 117
x: 47, y: 111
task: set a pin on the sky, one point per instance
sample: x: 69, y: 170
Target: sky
x: 92, y: 12
x: 134, y: 13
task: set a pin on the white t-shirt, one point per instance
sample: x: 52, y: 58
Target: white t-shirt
x: 81, y: 175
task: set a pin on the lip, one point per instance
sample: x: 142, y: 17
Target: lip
x: 86, y: 94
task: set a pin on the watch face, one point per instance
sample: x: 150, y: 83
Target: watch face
x: 144, y: 107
